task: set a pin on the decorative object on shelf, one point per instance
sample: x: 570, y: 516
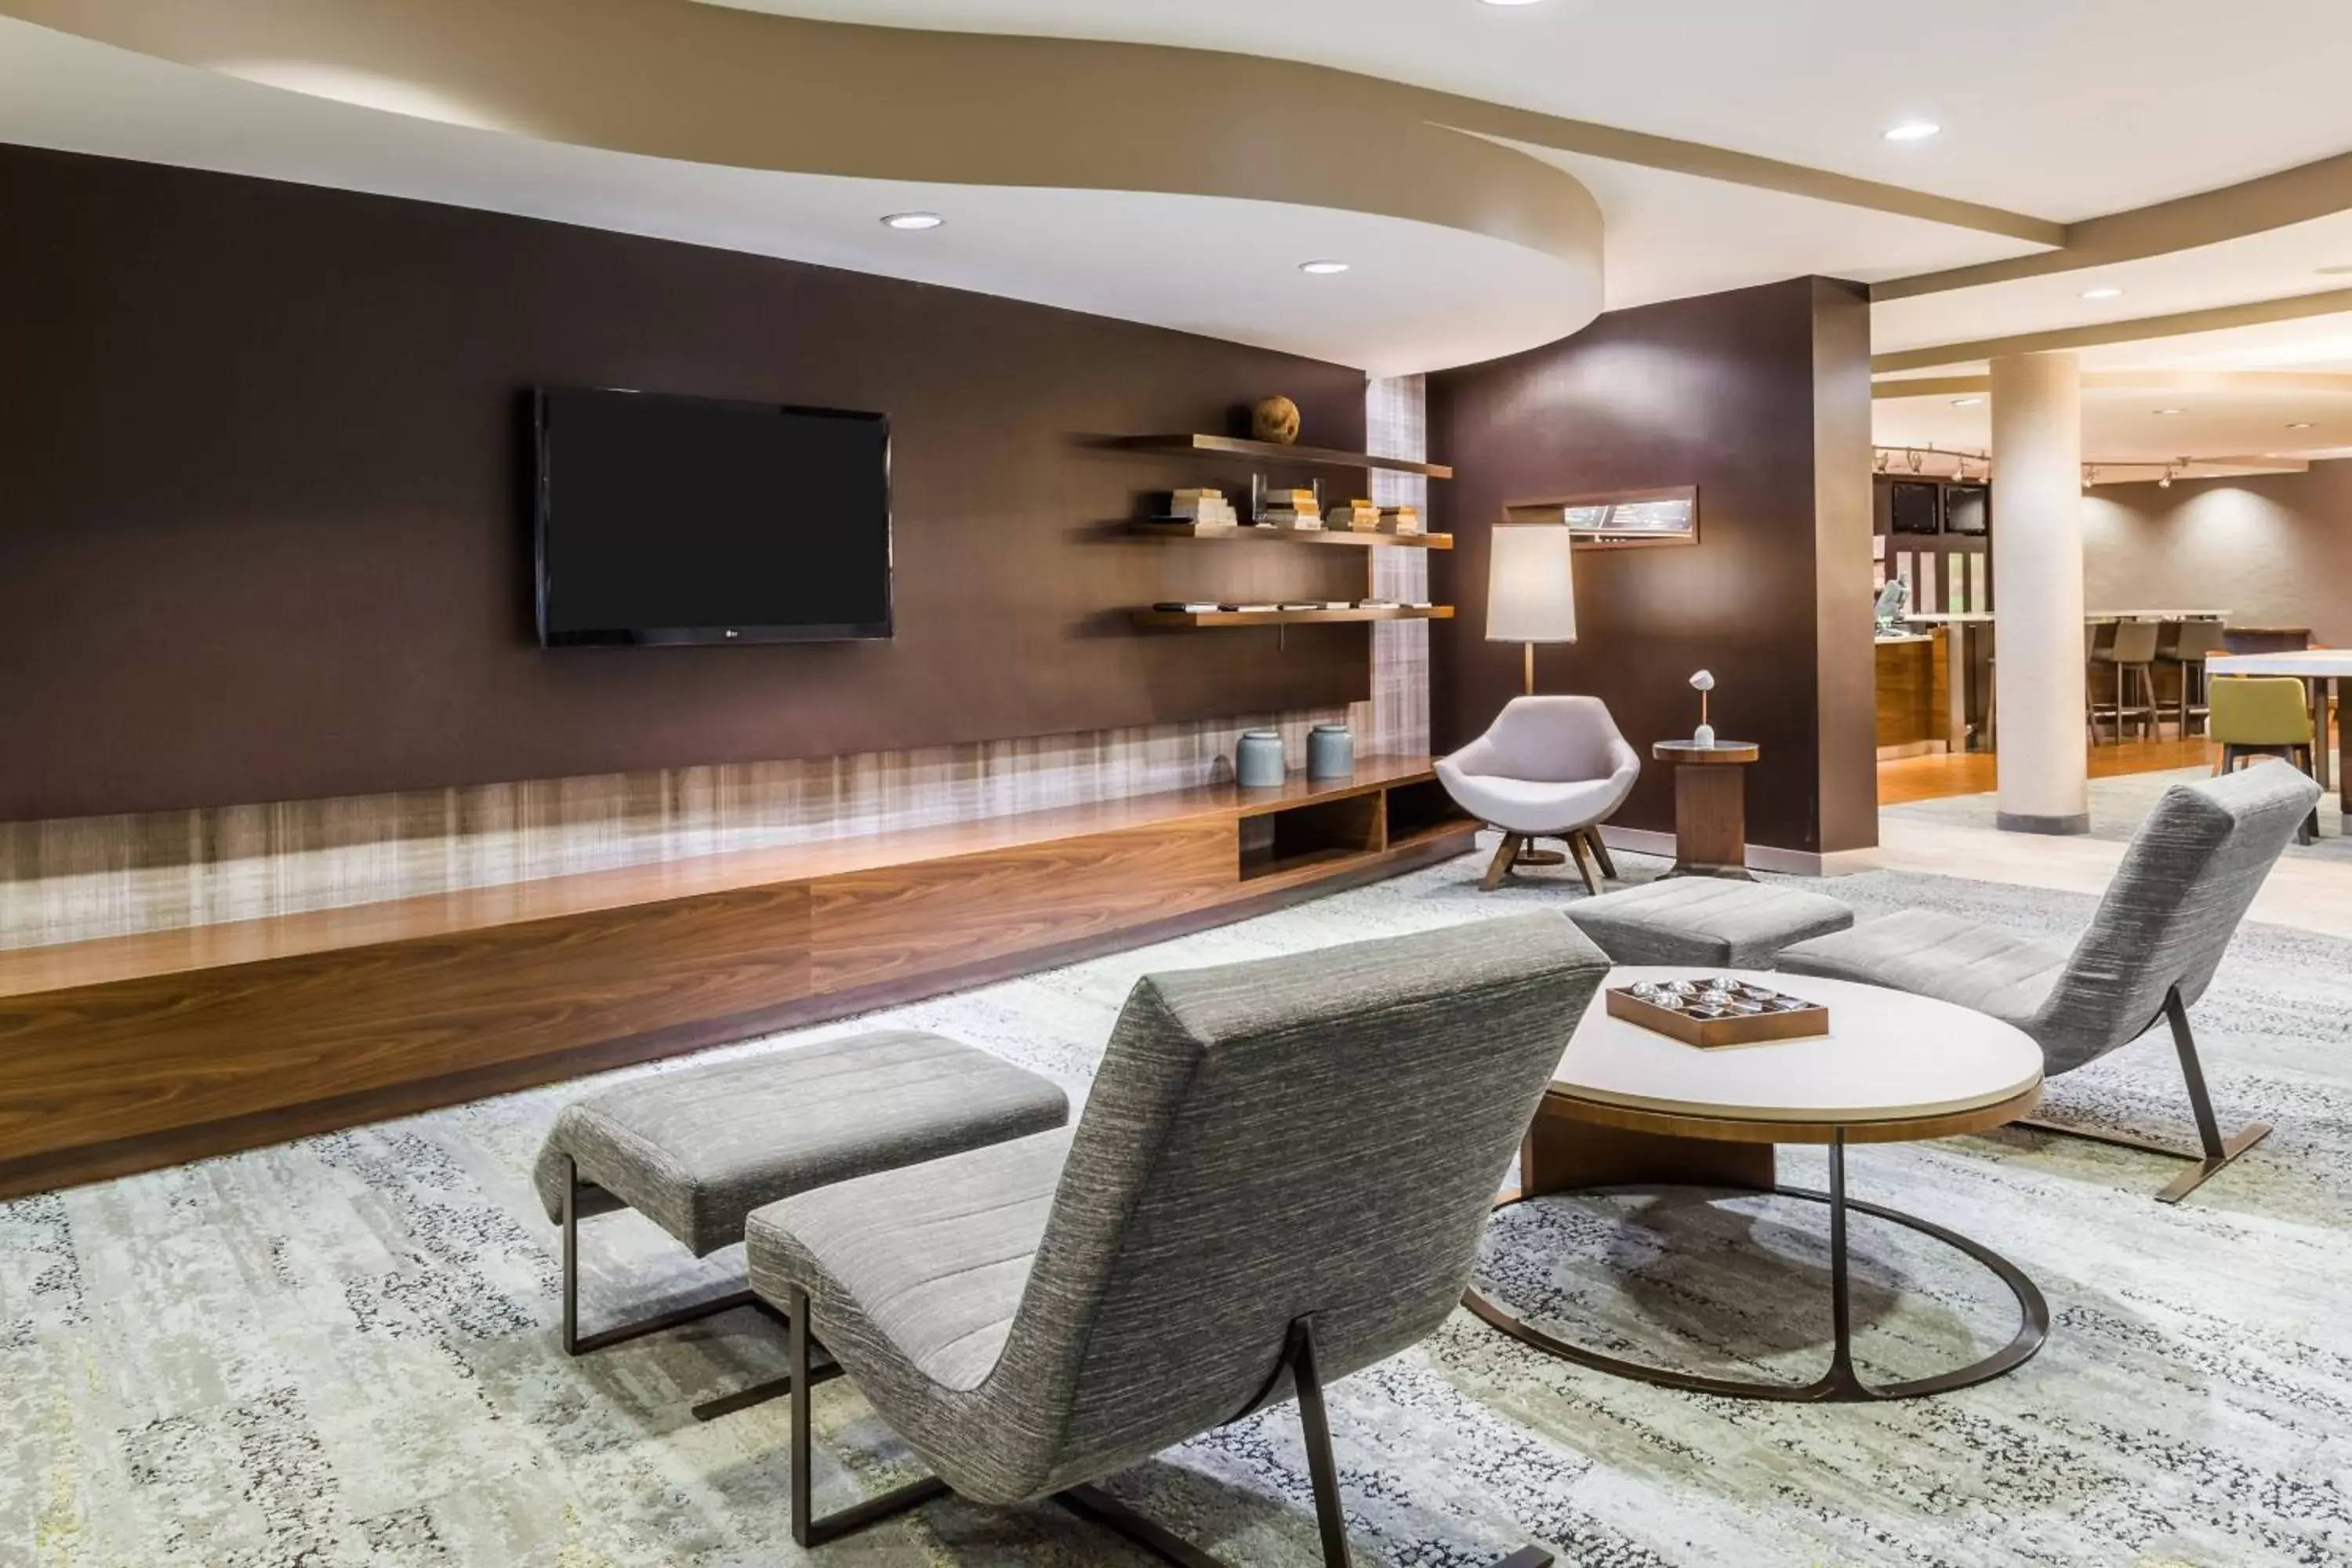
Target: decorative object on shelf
x: 1625, y: 519
x: 1357, y: 516
x: 1331, y: 752
x: 1401, y: 519
x: 1257, y: 759
x: 1294, y: 509
x: 1717, y: 1010
x: 1530, y: 588
x: 1201, y: 506
x: 1275, y: 419
x: 1703, y: 682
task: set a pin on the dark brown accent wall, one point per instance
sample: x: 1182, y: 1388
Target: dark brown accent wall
x: 1761, y: 398
x: 263, y: 532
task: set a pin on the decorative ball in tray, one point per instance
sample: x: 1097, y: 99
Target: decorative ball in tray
x: 1716, y: 1011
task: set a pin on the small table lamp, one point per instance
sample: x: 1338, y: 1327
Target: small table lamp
x: 1530, y: 588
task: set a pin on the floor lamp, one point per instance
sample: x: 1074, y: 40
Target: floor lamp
x: 1530, y: 588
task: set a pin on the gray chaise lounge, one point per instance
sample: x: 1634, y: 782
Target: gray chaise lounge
x: 1280, y: 1177
x: 697, y: 1149
x: 2151, y: 949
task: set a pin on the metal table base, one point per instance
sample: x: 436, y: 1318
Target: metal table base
x: 1841, y: 1384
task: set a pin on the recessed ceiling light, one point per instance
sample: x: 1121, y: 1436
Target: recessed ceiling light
x: 2103, y: 291
x: 1913, y: 131
x: 2300, y: 424
x: 2172, y: 411
x: 2338, y: 271
x: 1510, y: 2
x: 1325, y: 268
x: 1966, y: 402
x: 913, y: 220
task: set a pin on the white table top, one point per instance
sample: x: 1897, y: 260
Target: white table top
x: 1888, y: 1056
x: 2312, y: 661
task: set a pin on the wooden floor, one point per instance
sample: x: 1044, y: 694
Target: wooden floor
x: 1932, y: 778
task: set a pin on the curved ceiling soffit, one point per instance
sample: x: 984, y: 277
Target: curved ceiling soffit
x: 713, y: 85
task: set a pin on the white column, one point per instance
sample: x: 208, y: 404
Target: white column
x: 2037, y: 567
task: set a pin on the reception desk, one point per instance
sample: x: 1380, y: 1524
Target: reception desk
x: 1913, y: 694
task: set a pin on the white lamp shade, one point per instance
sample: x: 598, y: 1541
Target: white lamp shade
x: 1530, y: 584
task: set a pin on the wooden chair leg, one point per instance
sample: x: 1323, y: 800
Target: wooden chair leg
x: 1583, y: 862
x: 1601, y: 854
x: 1506, y: 854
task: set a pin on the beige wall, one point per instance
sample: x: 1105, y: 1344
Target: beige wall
x: 2273, y: 550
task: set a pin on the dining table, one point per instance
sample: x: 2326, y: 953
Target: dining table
x: 2319, y: 669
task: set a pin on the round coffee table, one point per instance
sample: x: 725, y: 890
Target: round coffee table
x: 1630, y: 1110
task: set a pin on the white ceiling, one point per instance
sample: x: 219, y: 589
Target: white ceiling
x: 2121, y: 425
x: 2272, y: 265
x: 1223, y: 267
x: 2061, y: 109
x: 1670, y: 236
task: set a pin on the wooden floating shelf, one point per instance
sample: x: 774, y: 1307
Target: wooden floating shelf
x: 1288, y: 617
x: 1272, y: 452
x: 1159, y: 528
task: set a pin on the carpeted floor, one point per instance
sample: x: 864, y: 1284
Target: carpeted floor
x: 341, y: 1353
x: 2120, y: 804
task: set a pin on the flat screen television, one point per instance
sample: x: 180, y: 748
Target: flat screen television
x: 1967, y: 509
x: 1917, y: 507
x: 667, y: 520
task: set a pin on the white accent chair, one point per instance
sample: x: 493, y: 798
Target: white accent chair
x: 1548, y: 767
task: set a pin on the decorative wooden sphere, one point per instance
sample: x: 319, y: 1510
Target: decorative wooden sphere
x: 1275, y: 419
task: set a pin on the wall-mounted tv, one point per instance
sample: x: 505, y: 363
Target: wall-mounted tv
x: 666, y: 520
x: 1968, y: 508
x: 1916, y: 507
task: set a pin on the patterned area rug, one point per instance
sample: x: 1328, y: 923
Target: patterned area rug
x: 341, y: 1351
x: 2120, y: 804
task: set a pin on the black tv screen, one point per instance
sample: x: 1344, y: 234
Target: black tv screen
x: 1966, y: 509
x: 682, y: 519
x: 1916, y: 509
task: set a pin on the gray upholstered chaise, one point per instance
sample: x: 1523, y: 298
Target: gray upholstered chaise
x: 697, y: 1149
x: 1280, y: 1177
x: 2152, y: 947
x: 1711, y: 921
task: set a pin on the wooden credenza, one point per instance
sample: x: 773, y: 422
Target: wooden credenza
x: 130, y: 1053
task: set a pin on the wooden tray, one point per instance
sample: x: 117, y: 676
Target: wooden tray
x: 1696, y: 1027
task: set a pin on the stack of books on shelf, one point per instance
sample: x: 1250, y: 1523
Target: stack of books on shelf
x: 1357, y: 516
x: 1291, y: 508
x: 1201, y: 506
x: 1401, y: 519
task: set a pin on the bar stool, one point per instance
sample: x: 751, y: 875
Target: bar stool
x: 2193, y: 642
x: 2131, y: 653
x: 2263, y: 716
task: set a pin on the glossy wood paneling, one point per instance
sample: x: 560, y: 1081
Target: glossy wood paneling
x: 1914, y: 691
x: 1761, y: 398
x: 263, y: 464
x: 98, y: 1063
x: 875, y: 927
x: 134, y: 1052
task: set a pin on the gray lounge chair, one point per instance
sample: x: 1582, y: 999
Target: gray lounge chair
x: 2151, y: 949
x: 1548, y: 767
x: 1279, y: 1178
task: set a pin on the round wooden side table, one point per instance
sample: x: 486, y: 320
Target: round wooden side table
x: 1631, y: 1111
x: 1710, y: 807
